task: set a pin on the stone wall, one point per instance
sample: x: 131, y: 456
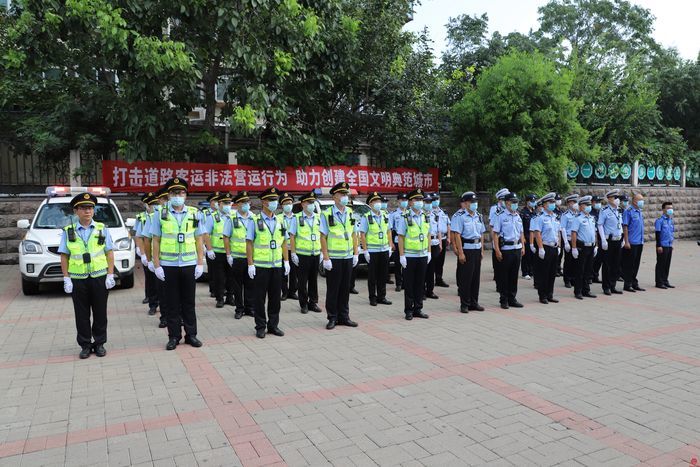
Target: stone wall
x: 686, y: 205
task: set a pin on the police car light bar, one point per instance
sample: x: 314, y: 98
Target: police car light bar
x: 99, y: 190
x: 53, y: 191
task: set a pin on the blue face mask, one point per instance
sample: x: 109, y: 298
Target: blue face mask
x: 385, y: 205
x: 532, y: 204
x: 597, y: 206
x: 551, y: 207
x: 418, y: 205
x: 245, y: 207
x: 177, y: 201
x: 669, y: 211
x: 473, y: 207
x: 640, y: 203
x: 513, y: 207
x: 287, y: 208
x: 344, y: 200
x: 310, y: 208
x: 587, y: 209
x: 377, y: 206
x: 272, y: 205
x: 436, y: 203
x: 226, y: 208
x: 403, y: 204
x: 625, y: 204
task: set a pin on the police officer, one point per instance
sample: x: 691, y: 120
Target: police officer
x: 435, y: 246
x: 598, y: 260
x: 413, y: 229
x: 161, y: 198
x: 546, y: 231
x: 208, y: 213
x: 453, y: 241
x: 268, y: 262
x: 218, y: 227
x: 305, y: 239
x: 633, y: 238
x: 339, y: 250
x: 375, y: 238
x: 393, y: 218
x: 178, y: 259
x: 610, y: 233
x: 87, y: 263
x: 143, y: 225
x: 138, y: 228
x: 664, y: 229
x: 243, y: 290
x: 444, y: 228
x: 566, y: 222
x: 532, y: 243
x: 526, y: 214
x: 468, y: 228
x: 508, y: 240
x: 583, y: 247
x: 559, y: 213
x: 289, y: 283
x: 494, y: 212
x: 385, y: 211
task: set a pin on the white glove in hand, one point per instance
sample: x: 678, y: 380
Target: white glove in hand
x: 574, y: 253
x: 295, y: 259
x: 144, y: 261
x: 287, y: 268
x: 251, y: 272
x: 151, y: 267
x: 327, y: 264
x: 211, y: 255
x: 67, y: 285
x: 558, y: 251
x: 138, y: 251
x: 595, y: 251
x: 355, y: 260
x: 403, y: 262
x: 110, y: 282
x: 229, y: 260
x: 533, y: 249
x: 160, y: 273
x: 604, y: 245
x: 320, y: 259
x: 567, y: 247
x: 430, y: 256
x: 198, y: 271
x: 367, y: 256
x: 540, y: 253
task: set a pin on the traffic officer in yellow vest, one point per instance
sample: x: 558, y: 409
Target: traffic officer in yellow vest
x: 243, y: 292
x: 178, y: 259
x: 413, y: 229
x: 289, y: 283
x: 402, y: 208
x: 161, y: 198
x: 339, y: 249
x: 207, y: 214
x: 218, y: 227
x: 268, y: 261
x: 375, y: 237
x: 87, y: 263
x: 435, y: 246
x: 142, y: 225
x: 305, y: 239
x: 138, y: 227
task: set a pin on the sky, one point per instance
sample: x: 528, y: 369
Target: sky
x: 675, y: 25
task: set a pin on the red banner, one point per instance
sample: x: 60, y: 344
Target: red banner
x: 122, y: 176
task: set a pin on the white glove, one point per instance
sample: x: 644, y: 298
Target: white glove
x: 110, y: 282
x: 295, y: 259
x: 403, y: 262
x: 151, y: 267
x: 144, y: 261
x: 355, y: 260
x: 320, y: 259
x: 540, y: 253
x: 287, y: 268
x: 198, y: 271
x: 67, y: 285
x: 251, y: 272
x: 558, y: 250
x: 327, y: 264
x: 574, y: 253
x: 211, y: 255
x: 595, y: 251
x: 229, y: 260
x: 533, y: 249
x: 430, y: 256
x: 160, y: 273
x: 367, y: 256
x: 567, y: 247
x: 604, y: 245
x: 138, y: 251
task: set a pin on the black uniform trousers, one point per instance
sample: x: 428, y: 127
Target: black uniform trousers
x: 663, y: 265
x: 430, y: 269
x: 376, y: 275
x: 151, y: 288
x: 90, y: 295
x: 630, y: 264
x: 569, y: 268
x: 289, y: 282
x: 508, y: 269
x: 398, y: 270
x: 268, y: 284
x: 583, y: 267
x: 338, y: 281
x: 160, y: 288
x: 468, y: 278
x: 597, y: 262
x: 611, y: 264
x: 307, y: 280
x: 223, y: 277
x: 414, y: 285
x: 243, y: 287
x: 546, y: 271
x: 179, y: 291
x: 561, y: 254
x: 211, y: 274
x: 440, y: 261
x: 527, y: 262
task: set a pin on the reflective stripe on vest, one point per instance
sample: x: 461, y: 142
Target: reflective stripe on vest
x: 238, y: 235
x: 412, y: 242
x: 264, y: 256
x: 97, y: 267
x: 217, y: 235
x: 170, y: 248
x: 303, y: 242
x: 339, y: 239
x: 373, y: 230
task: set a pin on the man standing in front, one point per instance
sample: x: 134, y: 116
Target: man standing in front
x: 444, y: 227
x: 633, y: 235
x: 289, y: 283
x: 178, y: 259
x: 527, y: 266
x: 375, y: 237
x: 664, y: 229
x: 468, y: 229
x: 243, y: 290
x: 610, y: 232
x: 547, y: 233
x: 583, y: 248
x: 494, y: 212
x: 508, y: 240
x: 305, y: 239
x: 393, y: 217
x: 339, y: 250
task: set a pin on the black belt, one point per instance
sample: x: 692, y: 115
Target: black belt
x: 471, y: 240
x: 612, y: 239
x: 510, y: 243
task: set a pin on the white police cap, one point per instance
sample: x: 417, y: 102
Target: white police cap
x: 502, y: 193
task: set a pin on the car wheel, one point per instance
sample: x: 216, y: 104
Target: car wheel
x: 29, y: 287
x: 126, y: 282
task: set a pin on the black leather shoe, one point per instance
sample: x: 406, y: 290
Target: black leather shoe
x: 349, y: 323
x: 504, y: 306
x: 669, y: 286
x: 384, y: 301
x: 579, y: 297
x: 152, y: 311
x: 229, y: 301
x: 304, y: 310
x: 145, y: 300
x: 390, y: 282
x: 420, y: 314
x: 172, y: 343
x: 615, y: 291
x: 552, y: 300
x: 212, y: 295
x: 476, y: 307
x: 515, y: 304
x: 607, y: 292
x: 219, y: 303
x: 590, y: 295
x: 464, y: 309
x: 567, y: 284
x: 283, y: 297
x: 398, y: 288
x: 260, y: 334
x: 314, y: 308
x: 238, y: 315
x: 331, y: 324
x: 409, y: 317
x: 432, y: 295
x: 162, y: 324
x: 628, y: 289
x: 193, y: 341
x: 354, y: 291
x: 276, y: 332
x: 661, y: 286
x: 442, y: 284
x: 100, y: 350
x: 372, y: 303
x: 544, y: 301
x: 596, y: 279
x: 85, y: 352
x: 293, y: 296
x: 638, y: 288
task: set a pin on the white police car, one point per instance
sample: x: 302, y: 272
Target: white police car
x: 39, y: 260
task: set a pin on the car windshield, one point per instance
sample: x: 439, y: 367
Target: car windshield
x: 58, y: 215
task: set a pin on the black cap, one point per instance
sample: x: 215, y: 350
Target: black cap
x: 341, y: 187
x: 241, y: 197
x: 161, y: 193
x: 83, y: 199
x: 286, y: 197
x: 373, y: 196
x: 214, y: 196
x: 415, y: 194
x: 308, y: 197
x: 557, y: 196
x: 401, y: 196
x: 270, y: 193
x: 225, y: 197
x: 531, y: 197
x: 435, y: 195
x: 511, y: 197
x: 428, y: 198
x: 176, y: 184
x: 468, y: 196
x: 624, y: 197
x: 147, y: 197
x: 596, y: 199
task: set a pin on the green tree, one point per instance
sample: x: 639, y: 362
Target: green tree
x: 518, y: 127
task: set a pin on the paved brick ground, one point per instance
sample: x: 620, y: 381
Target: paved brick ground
x: 610, y: 381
